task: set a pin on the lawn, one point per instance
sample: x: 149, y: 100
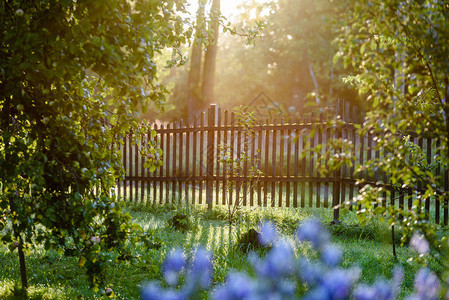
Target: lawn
x: 53, y: 276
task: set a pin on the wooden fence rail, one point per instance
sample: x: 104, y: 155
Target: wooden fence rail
x: 192, y: 172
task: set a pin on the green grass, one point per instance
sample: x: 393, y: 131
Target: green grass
x: 52, y: 276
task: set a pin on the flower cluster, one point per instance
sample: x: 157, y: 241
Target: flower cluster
x: 198, y: 276
x: 279, y: 273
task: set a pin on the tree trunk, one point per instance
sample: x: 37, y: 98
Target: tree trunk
x: 193, y: 82
x: 22, y: 266
x: 23, y: 269
x: 208, y: 81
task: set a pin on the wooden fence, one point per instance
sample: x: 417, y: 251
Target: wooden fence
x: 193, y: 174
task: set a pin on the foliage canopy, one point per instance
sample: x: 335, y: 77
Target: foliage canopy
x: 73, y: 75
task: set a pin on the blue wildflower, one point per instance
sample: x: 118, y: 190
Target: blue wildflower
x: 419, y: 243
x: 338, y: 283
x: 267, y: 233
x: 172, y: 267
x: 331, y: 255
x: 278, y: 262
x: 155, y: 292
x: 318, y: 293
x: 238, y: 286
x: 427, y: 286
x: 314, y: 232
x: 310, y: 273
x: 381, y: 290
x: 200, y: 273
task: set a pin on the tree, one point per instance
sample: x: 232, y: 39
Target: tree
x: 194, y: 75
x: 208, y: 81
x: 72, y: 77
x: 398, y: 51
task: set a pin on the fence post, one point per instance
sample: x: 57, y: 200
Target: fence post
x: 337, y: 173
x: 210, y: 155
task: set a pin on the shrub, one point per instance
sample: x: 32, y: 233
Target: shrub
x: 180, y: 222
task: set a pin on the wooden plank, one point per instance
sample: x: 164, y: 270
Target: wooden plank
x: 446, y: 198
x: 125, y: 164
x: 187, y: 183
x: 130, y: 159
x: 438, y: 174
x: 263, y: 179
x: 217, y: 166
x: 429, y: 161
x: 162, y: 169
x: 296, y: 167
x: 246, y: 146
x: 302, y: 126
x: 344, y: 136
x: 303, y: 170
x: 210, y: 156
x: 201, y: 153
x: 253, y: 157
x: 273, y: 165
x: 180, y: 161
x: 337, y: 174
x: 319, y: 142
x: 239, y: 171
x: 385, y: 180
x: 288, y: 174
x: 168, y: 170
x: 327, y: 133
x: 143, y: 137
x: 265, y: 187
x: 281, y: 161
x: 362, y: 150
x: 195, y: 158
x: 420, y: 145
x: 118, y: 182
x: 232, y: 144
x: 392, y: 197
x: 136, y: 167
x: 174, y: 198
x: 311, y: 162
x: 354, y: 143
x: 145, y: 187
x: 259, y: 165
x: 226, y: 142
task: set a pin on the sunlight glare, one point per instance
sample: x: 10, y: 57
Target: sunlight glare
x: 229, y: 8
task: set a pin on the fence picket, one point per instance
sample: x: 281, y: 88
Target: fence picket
x: 162, y: 169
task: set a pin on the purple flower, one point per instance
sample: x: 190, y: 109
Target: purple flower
x: 381, y: 290
x: 278, y: 262
x: 172, y: 267
x: 267, y: 233
x: 427, y: 285
x: 155, y: 292
x: 200, y: 273
x: 313, y: 231
x: 365, y: 292
x: 318, y: 293
x: 398, y: 277
x: 419, y: 243
x: 238, y: 286
x: 311, y: 273
x: 338, y: 283
x: 331, y: 255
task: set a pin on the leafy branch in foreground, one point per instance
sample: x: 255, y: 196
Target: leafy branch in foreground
x: 73, y: 77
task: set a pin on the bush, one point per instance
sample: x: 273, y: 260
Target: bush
x: 180, y: 222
